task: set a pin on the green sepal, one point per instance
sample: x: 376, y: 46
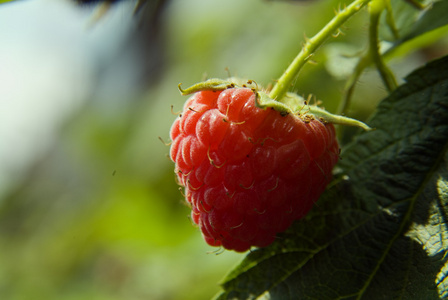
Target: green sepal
x: 296, y: 105
x: 216, y: 84
x: 289, y: 104
x: 327, y: 117
x: 263, y: 101
x: 213, y: 84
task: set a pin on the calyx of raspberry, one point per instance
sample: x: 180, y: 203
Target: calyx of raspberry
x: 289, y: 104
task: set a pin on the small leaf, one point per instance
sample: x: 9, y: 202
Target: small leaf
x: 433, y: 18
x: 404, y: 15
x: 430, y: 27
x: 380, y: 231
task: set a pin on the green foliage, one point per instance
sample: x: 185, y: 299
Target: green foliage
x: 432, y: 19
x: 380, y: 231
x: 101, y: 217
x: 421, y: 32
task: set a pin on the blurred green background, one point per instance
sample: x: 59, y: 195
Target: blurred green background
x: 89, y: 208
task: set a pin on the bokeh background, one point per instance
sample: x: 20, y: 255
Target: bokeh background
x: 89, y: 208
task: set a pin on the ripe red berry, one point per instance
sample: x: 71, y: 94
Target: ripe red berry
x: 249, y: 172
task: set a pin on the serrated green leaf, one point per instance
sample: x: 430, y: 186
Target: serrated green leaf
x: 380, y: 232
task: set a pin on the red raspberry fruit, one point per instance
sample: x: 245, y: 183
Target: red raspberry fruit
x: 249, y: 172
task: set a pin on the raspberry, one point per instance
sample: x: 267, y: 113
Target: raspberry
x: 249, y: 172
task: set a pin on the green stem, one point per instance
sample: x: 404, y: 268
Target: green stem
x: 416, y: 4
x: 363, y: 62
x: 390, y: 20
x: 371, y: 56
x: 387, y: 76
x: 311, y: 45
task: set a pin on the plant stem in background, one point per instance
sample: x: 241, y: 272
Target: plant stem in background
x: 376, y: 7
x: 311, y: 45
x: 390, y: 20
x: 363, y: 62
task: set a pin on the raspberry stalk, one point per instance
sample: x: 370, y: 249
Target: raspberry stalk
x: 311, y: 46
